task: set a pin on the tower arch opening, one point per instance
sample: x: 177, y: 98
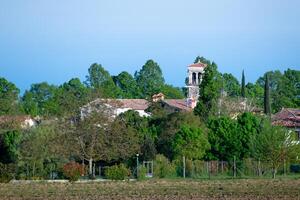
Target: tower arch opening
x: 194, y: 78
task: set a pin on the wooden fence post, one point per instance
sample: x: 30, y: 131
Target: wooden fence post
x: 234, y: 167
x: 183, y: 160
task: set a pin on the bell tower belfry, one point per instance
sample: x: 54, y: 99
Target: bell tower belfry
x: 195, y: 74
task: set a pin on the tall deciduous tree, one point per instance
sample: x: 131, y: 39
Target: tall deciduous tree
x: 190, y: 142
x: 275, y: 145
x: 224, y: 139
x: 171, y: 92
x: 97, y: 137
x: 255, y: 93
x: 210, y: 90
x: 8, y: 97
x: 141, y: 125
x: 231, y: 85
x: 267, y: 103
x: 248, y: 126
x: 150, y: 78
x: 287, y: 91
x: 38, y: 155
x: 167, y: 126
x: 29, y: 104
x: 70, y: 96
x: 243, y: 89
x: 41, y: 99
x: 201, y: 59
x: 100, y: 80
x: 128, y: 85
x: 284, y: 88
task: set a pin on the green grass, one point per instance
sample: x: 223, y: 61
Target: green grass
x: 288, y: 188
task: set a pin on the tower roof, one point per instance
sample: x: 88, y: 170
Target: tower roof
x: 199, y: 64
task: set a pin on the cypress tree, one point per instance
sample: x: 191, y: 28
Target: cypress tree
x: 243, y: 85
x: 267, y: 104
x: 210, y: 88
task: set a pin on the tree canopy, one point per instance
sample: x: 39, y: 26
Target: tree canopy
x: 190, y: 142
x: 100, y: 80
x: 150, y: 78
x: 8, y: 97
x: 210, y: 91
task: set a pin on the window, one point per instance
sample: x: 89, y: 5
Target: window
x: 194, y: 78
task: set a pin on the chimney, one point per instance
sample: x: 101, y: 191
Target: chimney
x: 158, y: 97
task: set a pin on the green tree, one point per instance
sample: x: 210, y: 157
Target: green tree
x: 274, y: 79
x: 150, y: 78
x: 8, y: 97
x: 41, y: 100
x: 231, y: 85
x: 210, y: 89
x: 284, y: 88
x: 29, y: 105
x: 97, y: 137
x: 166, y: 128
x: 38, y: 152
x: 100, y: 80
x: 141, y: 125
x: 275, y: 145
x: 9, y: 143
x: 171, y: 92
x: 224, y: 139
x: 256, y: 93
x: 243, y: 92
x: 128, y: 85
x: 201, y: 59
x: 70, y: 96
x: 190, y: 142
x: 287, y: 91
x: 267, y: 103
x: 134, y: 120
x: 248, y: 126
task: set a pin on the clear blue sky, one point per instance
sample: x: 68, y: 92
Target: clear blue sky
x: 55, y: 40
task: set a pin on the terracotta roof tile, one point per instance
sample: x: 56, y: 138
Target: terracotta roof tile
x: 198, y: 65
x: 136, y: 104
x: 178, y: 103
x: 288, y: 117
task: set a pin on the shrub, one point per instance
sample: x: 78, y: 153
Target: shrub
x: 163, y: 168
x: 72, y: 171
x: 6, y: 173
x: 117, y: 172
x: 142, y: 171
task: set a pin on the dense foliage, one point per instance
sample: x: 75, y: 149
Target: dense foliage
x: 117, y: 172
x: 210, y: 91
x: 64, y: 134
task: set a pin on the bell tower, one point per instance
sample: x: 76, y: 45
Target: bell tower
x: 195, y: 73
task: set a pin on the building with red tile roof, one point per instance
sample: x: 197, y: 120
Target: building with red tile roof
x: 289, y: 118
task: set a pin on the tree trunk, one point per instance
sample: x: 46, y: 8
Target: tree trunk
x: 274, y: 173
x: 90, y: 166
x: 33, y: 169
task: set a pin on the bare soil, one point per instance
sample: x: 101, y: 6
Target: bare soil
x: 156, y: 189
